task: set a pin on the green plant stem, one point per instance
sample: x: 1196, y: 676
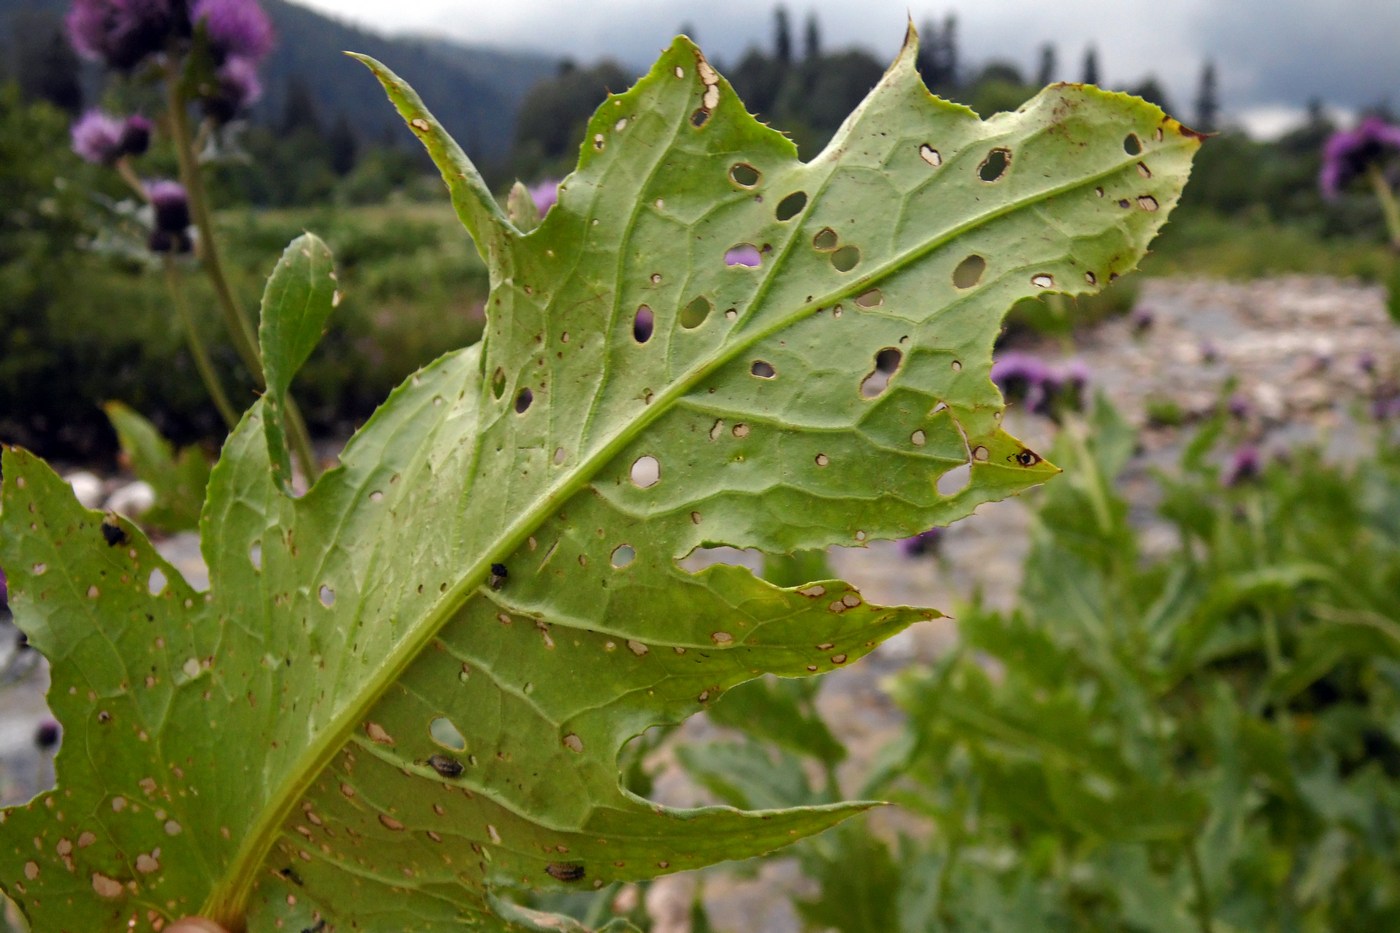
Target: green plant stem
x: 239, y: 326
x: 1389, y: 208
x: 201, y: 355
x: 1198, y: 882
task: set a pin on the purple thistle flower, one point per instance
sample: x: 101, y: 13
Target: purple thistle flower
x: 1020, y: 376
x: 123, y: 33
x: 1210, y: 353
x: 1141, y: 319
x: 136, y: 135
x: 1245, y: 464
x: 237, y: 89
x: 1238, y: 406
x: 1366, y: 362
x: 926, y: 542
x: 545, y: 195
x: 1348, y: 154
x: 235, y: 28
x: 745, y: 254
x: 171, y: 207
x: 97, y: 137
x: 102, y: 139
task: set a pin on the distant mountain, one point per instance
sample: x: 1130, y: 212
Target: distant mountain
x: 475, y: 91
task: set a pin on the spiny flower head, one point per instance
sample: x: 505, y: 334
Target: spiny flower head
x: 1348, y: 154
x: 102, y: 139
x: 235, y: 28
x: 171, y: 208
x: 236, y: 89
x: 123, y: 33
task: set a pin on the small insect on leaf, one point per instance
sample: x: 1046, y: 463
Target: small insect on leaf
x: 565, y: 871
x: 445, y: 765
x: 112, y: 531
x: 498, y: 576
x: 290, y: 874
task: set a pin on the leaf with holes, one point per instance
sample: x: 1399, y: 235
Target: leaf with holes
x: 404, y: 693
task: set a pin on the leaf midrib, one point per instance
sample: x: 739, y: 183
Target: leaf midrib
x: 228, y: 902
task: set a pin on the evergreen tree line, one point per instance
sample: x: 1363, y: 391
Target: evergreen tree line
x: 808, y: 90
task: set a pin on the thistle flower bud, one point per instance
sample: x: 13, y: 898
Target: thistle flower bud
x: 234, y: 28
x: 1350, y: 153
x: 102, y: 139
x: 123, y: 33
x: 237, y: 89
x: 171, y: 207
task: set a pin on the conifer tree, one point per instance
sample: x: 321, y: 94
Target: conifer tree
x: 1208, y: 100
x: 782, y: 36
x: 1046, y: 74
x: 813, y: 45
x: 1091, y: 66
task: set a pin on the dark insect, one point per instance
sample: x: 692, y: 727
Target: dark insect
x: 445, y: 765
x: 1027, y: 458
x: 565, y: 871
x: 498, y: 576
x: 316, y: 927
x: 291, y: 876
x: 112, y: 532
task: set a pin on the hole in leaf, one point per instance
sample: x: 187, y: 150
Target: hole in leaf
x: 255, y: 555
x: 918, y: 438
x: 559, y: 455
x: 694, y: 314
x: 1043, y: 280
x: 825, y: 240
x: 1131, y: 144
x: 994, y: 165
x: 979, y: 453
x: 445, y: 733
x: 700, y: 117
x: 643, y: 324
x: 846, y: 258
x: 1143, y: 170
x: 871, y: 299
x: 155, y: 584
x: 1091, y: 278
x: 646, y: 472
x: 498, y: 382
x: 744, y: 175
x: 930, y: 155
x: 623, y: 555
x: 524, y: 400
x: 742, y: 254
x: 763, y: 369
x: 792, y: 205
x: 955, y: 480
x: 740, y: 430
x: 969, y: 271
x: 327, y: 596
x: 822, y: 460
x: 1148, y: 203
x: 887, y: 362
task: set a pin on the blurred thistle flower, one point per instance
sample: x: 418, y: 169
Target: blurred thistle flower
x: 123, y: 33
x: 97, y: 137
x: 1385, y: 403
x: 1238, y: 406
x: 234, y: 28
x: 1042, y: 388
x: 1141, y: 319
x: 744, y: 254
x: 136, y: 135
x: 545, y: 195
x: 1349, y: 153
x: 237, y: 88
x: 1210, y: 353
x: 1245, y: 464
x: 171, y: 208
x: 1366, y: 362
x: 927, y: 542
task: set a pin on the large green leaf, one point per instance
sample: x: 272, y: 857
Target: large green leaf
x: 404, y: 692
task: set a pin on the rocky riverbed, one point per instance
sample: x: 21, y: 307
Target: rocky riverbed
x: 1300, y: 357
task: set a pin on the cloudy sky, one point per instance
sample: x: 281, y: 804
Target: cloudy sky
x: 1270, y: 54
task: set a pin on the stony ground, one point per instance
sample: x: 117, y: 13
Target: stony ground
x: 1294, y: 349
